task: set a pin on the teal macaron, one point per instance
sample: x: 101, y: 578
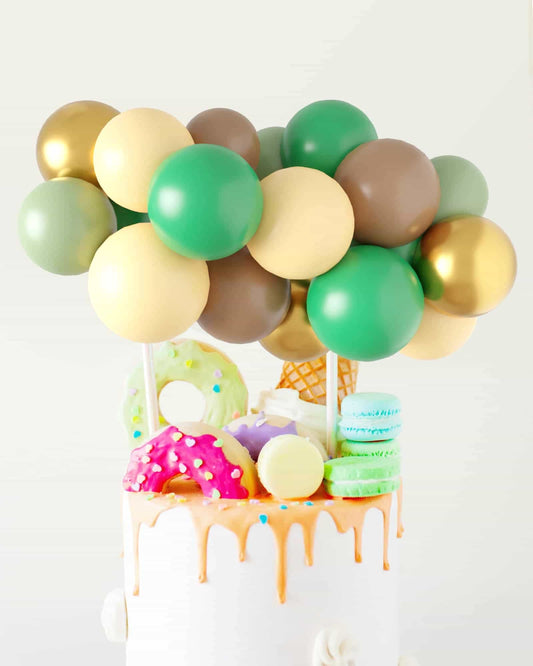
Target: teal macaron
x: 370, y: 417
x: 372, y: 470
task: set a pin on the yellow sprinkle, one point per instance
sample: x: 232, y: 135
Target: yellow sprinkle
x: 216, y: 494
x: 171, y: 495
x: 241, y: 503
x: 198, y: 462
x: 135, y: 419
x: 181, y: 500
x: 188, y: 363
x: 208, y: 476
x: 176, y: 436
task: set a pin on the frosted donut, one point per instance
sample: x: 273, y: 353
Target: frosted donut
x: 200, y: 364
x: 211, y: 457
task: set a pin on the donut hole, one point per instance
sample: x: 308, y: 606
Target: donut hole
x: 181, y: 401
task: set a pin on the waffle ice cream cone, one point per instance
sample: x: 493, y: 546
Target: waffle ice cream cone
x: 309, y: 379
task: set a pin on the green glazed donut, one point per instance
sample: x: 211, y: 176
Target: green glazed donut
x: 208, y: 369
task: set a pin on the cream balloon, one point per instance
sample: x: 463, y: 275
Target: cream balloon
x: 439, y: 335
x: 130, y: 148
x: 307, y: 224
x: 142, y: 290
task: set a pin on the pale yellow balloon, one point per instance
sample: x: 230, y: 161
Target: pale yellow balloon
x: 130, y: 148
x: 439, y: 335
x: 290, y: 467
x: 142, y: 290
x: 307, y: 224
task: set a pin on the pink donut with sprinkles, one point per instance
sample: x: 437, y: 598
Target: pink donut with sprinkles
x: 220, y: 465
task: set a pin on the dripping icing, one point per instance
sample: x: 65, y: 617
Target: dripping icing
x: 238, y: 517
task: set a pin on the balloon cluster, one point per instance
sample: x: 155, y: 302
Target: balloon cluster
x: 316, y: 236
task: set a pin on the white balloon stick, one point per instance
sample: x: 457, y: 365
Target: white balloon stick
x: 150, y: 389
x: 332, y: 381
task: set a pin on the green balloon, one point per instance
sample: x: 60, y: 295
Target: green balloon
x: 407, y: 251
x: 127, y: 217
x: 205, y: 202
x: 321, y: 135
x: 368, y: 306
x: 62, y: 223
x: 270, y: 154
x: 463, y: 188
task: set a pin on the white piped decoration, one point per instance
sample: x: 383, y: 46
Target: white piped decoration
x: 334, y: 647
x: 114, y: 616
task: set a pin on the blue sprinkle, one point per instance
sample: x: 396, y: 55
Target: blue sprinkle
x: 283, y: 507
x: 263, y: 518
x: 137, y: 433
x: 308, y: 503
x: 216, y: 388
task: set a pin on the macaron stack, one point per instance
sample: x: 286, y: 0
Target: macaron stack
x: 370, y: 454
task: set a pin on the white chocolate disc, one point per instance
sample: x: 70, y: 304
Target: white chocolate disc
x: 290, y: 467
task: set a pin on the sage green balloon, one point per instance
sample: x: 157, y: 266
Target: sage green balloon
x: 463, y: 188
x: 407, y: 251
x: 62, y: 223
x: 270, y: 153
x: 127, y: 217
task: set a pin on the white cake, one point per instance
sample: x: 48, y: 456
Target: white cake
x: 333, y: 610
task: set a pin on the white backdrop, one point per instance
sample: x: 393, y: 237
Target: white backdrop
x: 450, y: 77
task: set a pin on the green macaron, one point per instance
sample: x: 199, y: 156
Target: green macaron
x: 390, y: 447
x: 365, y: 470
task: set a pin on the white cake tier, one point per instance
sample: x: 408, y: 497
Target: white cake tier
x: 235, y: 617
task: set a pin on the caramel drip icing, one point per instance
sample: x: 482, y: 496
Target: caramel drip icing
x: 239, y: 515
x: 399, y: 522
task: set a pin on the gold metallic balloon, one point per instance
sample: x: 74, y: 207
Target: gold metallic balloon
x: 66, y: 141
x: 467, y: 265
x: 294, y: 339
x: 439, y: 334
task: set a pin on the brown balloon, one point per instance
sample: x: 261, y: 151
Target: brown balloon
x: 246, y: 303
x: 294, y: 339
x: 228, y: 128
x: 394, y: 189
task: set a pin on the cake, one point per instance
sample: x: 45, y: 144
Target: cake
x: 248, y: 574
x: 263, y: 536
x: 294, y: 598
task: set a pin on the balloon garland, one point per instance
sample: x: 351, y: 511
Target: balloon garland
x: 225, y: 225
